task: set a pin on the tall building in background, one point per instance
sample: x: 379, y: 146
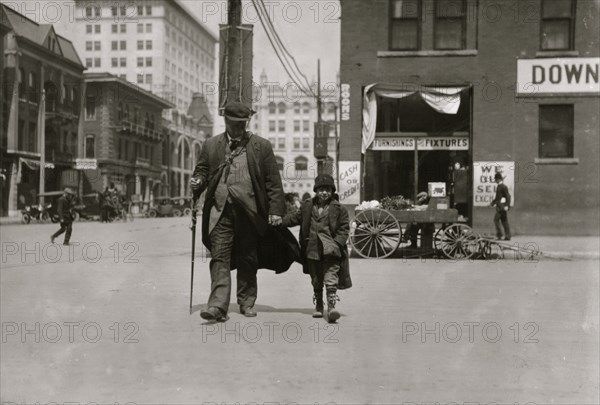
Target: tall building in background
x: 157, y: 44
x: 287, y: 118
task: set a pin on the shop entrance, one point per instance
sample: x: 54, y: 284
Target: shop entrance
x: 419, y: 137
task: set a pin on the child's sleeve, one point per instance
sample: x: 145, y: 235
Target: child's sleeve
x: 341, y: 236
x: 292, y: 219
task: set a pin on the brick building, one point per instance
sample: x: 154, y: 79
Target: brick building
x: 36, y: 61
x: 453, y: 91
x: 122, y: 132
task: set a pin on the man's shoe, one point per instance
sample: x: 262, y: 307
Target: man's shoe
x: 248, y: 311
x: 212, y: 314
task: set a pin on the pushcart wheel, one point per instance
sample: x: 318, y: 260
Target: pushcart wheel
x: 375, y: 233
x: 457, y: 241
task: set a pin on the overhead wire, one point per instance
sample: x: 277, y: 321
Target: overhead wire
x: 282, y: 58
x: 283, y: 47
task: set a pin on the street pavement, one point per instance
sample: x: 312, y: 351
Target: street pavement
x: 107, y: 321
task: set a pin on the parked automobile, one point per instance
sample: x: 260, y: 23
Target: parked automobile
x: 36, y: 212
x: 184, y: 204
x: 164, y: 207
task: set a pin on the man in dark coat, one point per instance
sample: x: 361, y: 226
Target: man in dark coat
x: 244, y: 196
x: 502, y: 204
x: 324, y: 228
x: 65, y: 215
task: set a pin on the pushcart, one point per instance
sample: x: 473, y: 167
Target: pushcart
x: 378, y: 233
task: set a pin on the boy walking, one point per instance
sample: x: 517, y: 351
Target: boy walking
x: 324, y: 228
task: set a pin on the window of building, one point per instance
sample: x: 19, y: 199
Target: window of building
x: 305, y: 108
x: 281, y: 108
x: 305, y: 143
x: 140, y: 78
x: 114, y: 28
x: 305, y: 125
x: 90, y: 109
x: 296, y: 143
x: 140, y: 28
x: 301, y: 163
x: 90, y: 146
x: 96, y: 62
x: 123, y: 28
x: 114, y: 62
x: 140, y: 62
x: 148, y: 10
x: 89, y: 29
x: 123, y: 11
x: 97, y: 28
x: 88, y: 11
x: 88, y: 45
x: 272, y: 126
x: 123, y: 45
x: 280, y: 162
x: 140, y: 45
x: 405, y: 24
x: 140, y: 10
x: 557, y: 25
x: 450, y: 24
x: 272, y: 108
x: 89, y: 62
x: 148, y: 78
x: 297, y: 108
x: 556, y: 131
x: 281, y: 126
x: 273, y: 142
x: 113, y: 11
x: 114, y: 45
x: 123, y: 62
x: 148, y: 27
x: 148, y: 44
x: 281, y: 143
x: 96, y: 45
x: 296, y: 125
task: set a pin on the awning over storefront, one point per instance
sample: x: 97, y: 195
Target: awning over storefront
x: 445, y: 100
x: 34, y: 164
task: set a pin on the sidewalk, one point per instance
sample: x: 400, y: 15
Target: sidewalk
x: 562, y: 247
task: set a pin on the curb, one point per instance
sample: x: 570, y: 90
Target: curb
x: 571, y: 255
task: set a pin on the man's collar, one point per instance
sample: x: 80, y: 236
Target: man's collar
x: 228, y: 137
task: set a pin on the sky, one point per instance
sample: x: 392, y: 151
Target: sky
x: 310, y: 29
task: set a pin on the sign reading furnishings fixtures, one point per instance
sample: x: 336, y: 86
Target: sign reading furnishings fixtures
x: 557, y: 75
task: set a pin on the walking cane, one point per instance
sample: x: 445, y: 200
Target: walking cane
x: 193, y: 228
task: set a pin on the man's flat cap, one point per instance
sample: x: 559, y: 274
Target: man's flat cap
x: 236, y: 111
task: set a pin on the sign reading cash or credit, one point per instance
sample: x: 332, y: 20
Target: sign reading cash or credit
x: 349, y: 182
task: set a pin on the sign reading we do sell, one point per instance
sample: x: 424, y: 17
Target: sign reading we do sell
x: 484, y: 186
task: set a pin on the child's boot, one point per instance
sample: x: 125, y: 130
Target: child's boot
x: 318, y: 301
x: 332, y: 313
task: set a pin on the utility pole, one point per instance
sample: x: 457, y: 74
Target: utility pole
x: 319, y: 127
x: 234, y: 52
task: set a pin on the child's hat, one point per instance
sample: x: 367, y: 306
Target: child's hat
x: 324, y: 180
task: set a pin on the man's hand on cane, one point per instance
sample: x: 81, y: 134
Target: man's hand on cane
x: 195, y: 184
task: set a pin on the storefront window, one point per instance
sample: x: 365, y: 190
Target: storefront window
x: 556, y: 131
x: 405, y: 24
x: 557, y: 24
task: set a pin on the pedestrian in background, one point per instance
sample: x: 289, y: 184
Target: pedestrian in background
x: 502, y: 204
x: 244, y: 195
x: 64, y: 210
x: 324, y: 228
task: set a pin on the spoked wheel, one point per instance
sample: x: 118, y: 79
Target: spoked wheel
x: 375, y: 233
x: 456, y: 241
